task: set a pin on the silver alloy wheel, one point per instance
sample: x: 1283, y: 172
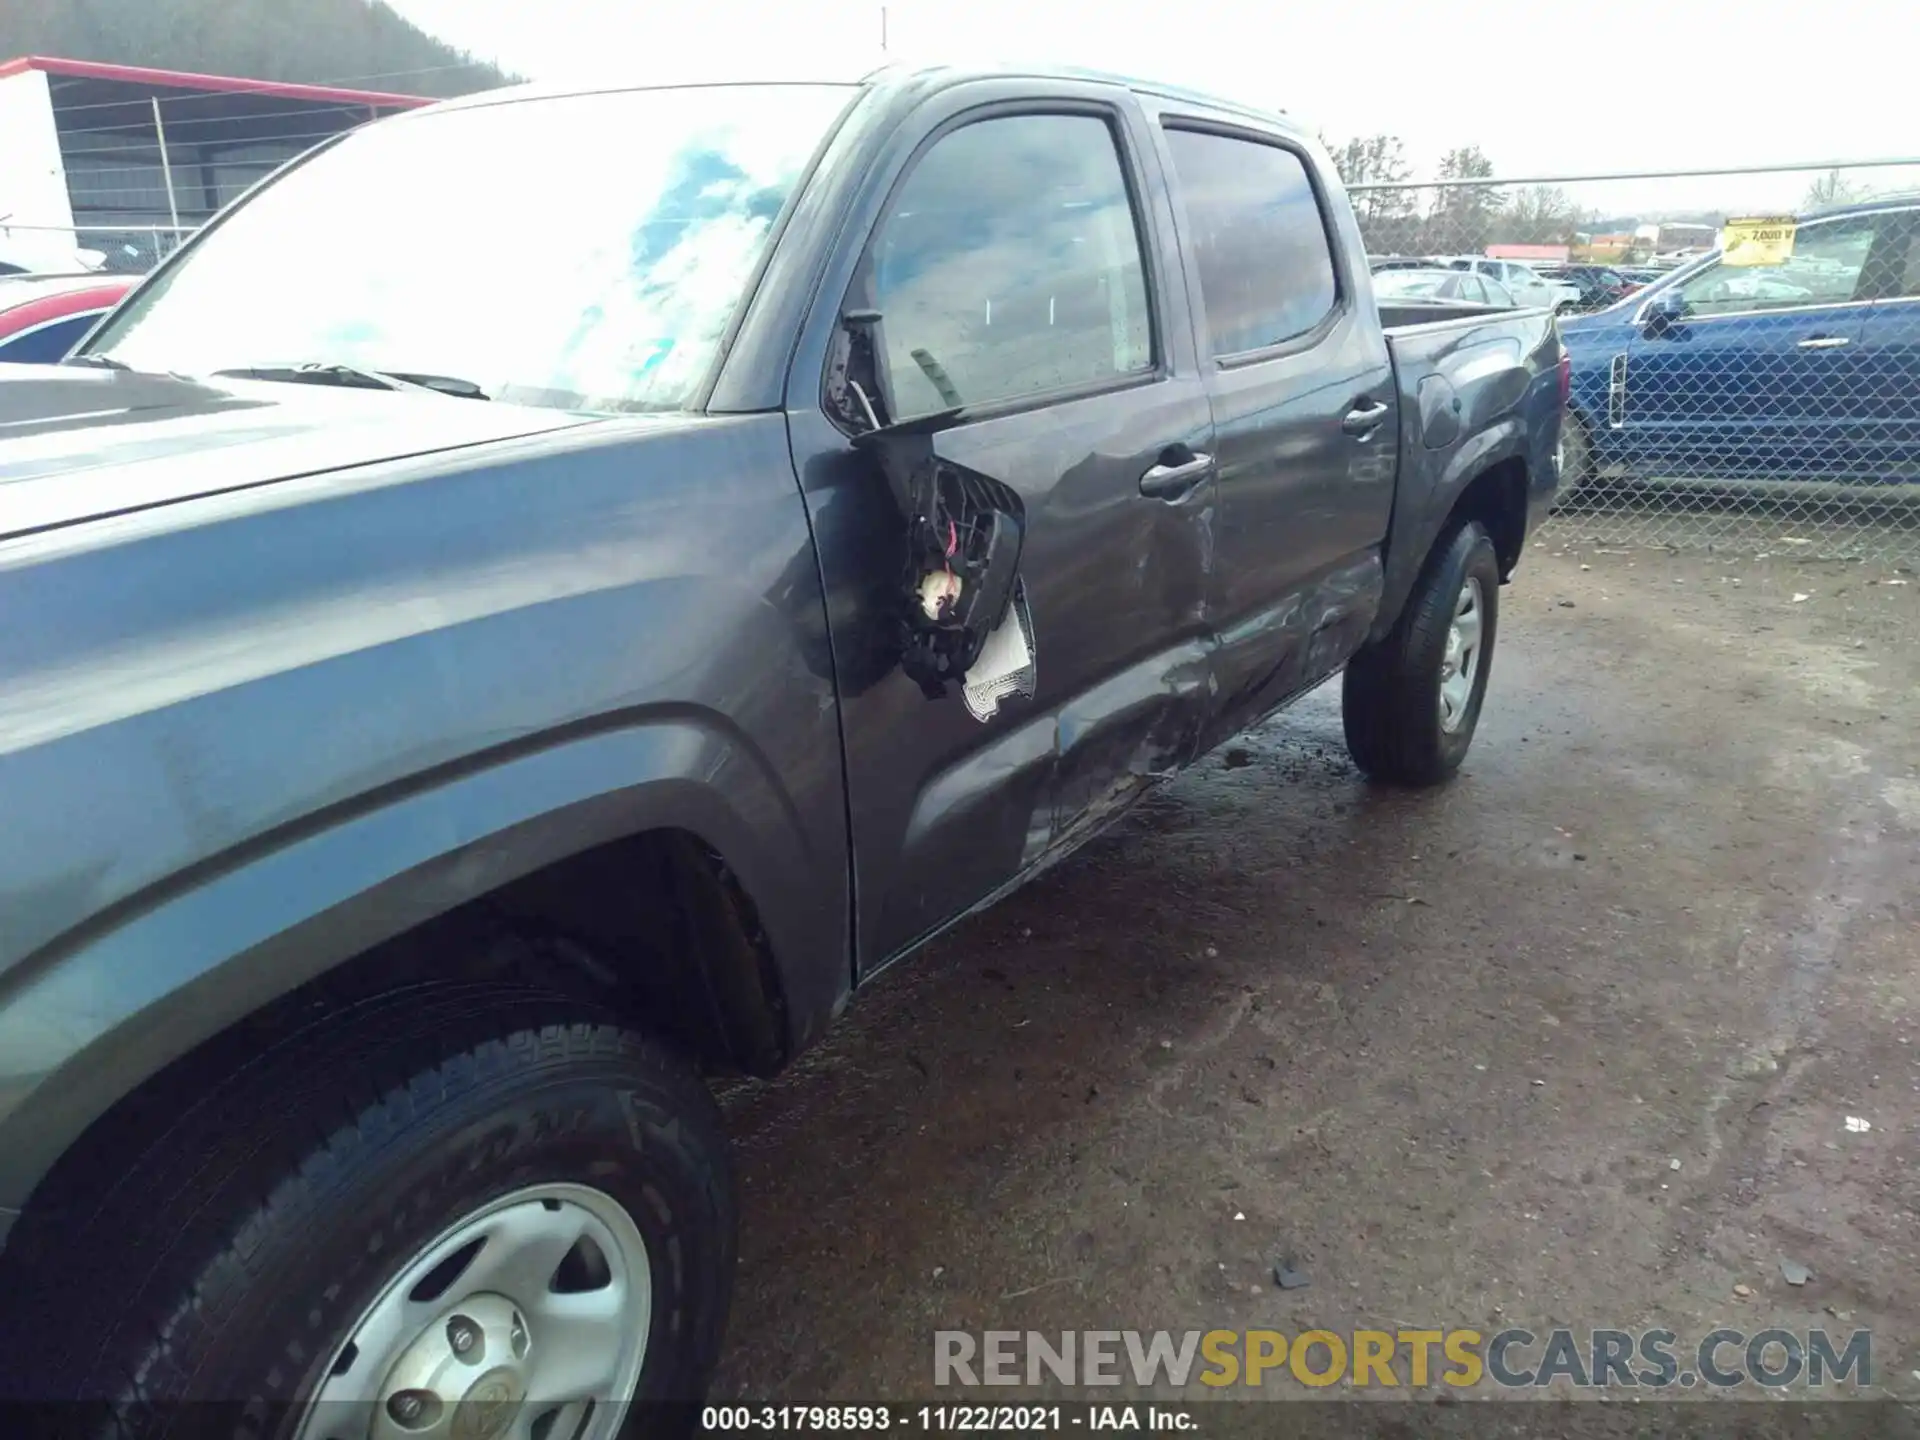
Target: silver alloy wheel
x: 1461, y: 662
x: 536, y: 1305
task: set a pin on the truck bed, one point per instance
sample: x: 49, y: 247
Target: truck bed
x: 1418, y: 314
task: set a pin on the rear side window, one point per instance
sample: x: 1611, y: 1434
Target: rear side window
x: 1907, y: 284
x: 1009, y: 265
x: 1266, y: 268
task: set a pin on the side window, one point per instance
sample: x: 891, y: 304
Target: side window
x: 1266, y: 269
x: 1892, y: 271
x: 1824, y: 269
x: 1910, y: 276
x: 1009, y: 265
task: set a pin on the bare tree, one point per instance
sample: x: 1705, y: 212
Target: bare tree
x: 1462, y: 215
x: 341, y: 41
x: 1538, y: 215
x: 1387, y: 216
x: 1831, y: 188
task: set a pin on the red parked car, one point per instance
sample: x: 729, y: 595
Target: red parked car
x: 42, y: 317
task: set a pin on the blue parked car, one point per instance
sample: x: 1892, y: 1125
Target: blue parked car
x: 1755, y: 376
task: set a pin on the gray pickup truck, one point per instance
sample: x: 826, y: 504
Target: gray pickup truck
x: 548, y: 595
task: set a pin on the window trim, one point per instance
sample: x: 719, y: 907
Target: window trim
x: 859, y: 291
x: 1715, y: 262
x: 1342, y: 305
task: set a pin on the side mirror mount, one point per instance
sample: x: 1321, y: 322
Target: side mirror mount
x: 1663, y: 311
x: 856, y: 391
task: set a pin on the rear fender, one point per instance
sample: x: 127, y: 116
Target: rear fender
x: 1438, y: 480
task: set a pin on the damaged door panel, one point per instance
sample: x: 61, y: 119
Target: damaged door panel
x: 1306, y: 408
x: 950, y: 799
x: 1010, y: 481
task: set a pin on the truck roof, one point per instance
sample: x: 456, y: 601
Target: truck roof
x: 1904, y: 200
x: 857, y: 73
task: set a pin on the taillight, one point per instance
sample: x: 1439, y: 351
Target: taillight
x: 1566, y: 378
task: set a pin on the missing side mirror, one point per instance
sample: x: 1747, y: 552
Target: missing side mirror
x: 965, y: 532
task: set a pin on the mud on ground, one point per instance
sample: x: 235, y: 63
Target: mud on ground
x: 1441, y: 1050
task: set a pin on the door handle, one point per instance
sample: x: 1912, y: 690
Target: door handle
x: 1823, y: 342
x: 1364, y: 418
x: 1179, y: 470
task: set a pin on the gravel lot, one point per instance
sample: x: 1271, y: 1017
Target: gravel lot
x: 1573, y: 1041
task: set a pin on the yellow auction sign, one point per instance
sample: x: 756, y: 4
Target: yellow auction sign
x: 1763, y: 240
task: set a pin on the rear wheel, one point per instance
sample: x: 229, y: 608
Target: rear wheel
x: 451, y: 1211
x: 1410, y: 702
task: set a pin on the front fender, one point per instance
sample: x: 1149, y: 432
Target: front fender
x: 110, y: 1008
x: 247, y: 735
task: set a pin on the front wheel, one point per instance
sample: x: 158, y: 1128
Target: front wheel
x: 1411, y: 701
x: 451, y: 1212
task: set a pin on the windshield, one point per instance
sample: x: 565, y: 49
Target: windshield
x: 584, y: 252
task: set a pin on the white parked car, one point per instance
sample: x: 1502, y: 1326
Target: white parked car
x: 1439, y: 284
x: 1528, y: 287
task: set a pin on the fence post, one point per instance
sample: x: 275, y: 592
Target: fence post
x: 166, y: 165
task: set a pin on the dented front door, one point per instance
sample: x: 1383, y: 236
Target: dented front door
x: 1012, y: 284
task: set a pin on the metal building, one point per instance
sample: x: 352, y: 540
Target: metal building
x: 121, y: 161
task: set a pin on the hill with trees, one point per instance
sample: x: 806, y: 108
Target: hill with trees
x: 363, y: 43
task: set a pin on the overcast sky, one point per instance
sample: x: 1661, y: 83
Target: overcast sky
x: 1547, y: 87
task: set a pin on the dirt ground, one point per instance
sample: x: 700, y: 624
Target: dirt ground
x: 1573, y: 1041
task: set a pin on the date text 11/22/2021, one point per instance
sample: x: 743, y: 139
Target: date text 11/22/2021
x: 945, y: 1419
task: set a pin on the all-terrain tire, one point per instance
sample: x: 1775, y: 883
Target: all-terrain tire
x: 1390, y: 697
x: 228, y: 1258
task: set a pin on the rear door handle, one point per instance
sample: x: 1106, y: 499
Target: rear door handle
x: 1179, y: 470
x: 1823, y: 342
x: 1364, y: 418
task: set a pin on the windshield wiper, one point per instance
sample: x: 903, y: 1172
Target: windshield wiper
x: 316, y: 372
x: 104, y: 362
x: 454, y: 385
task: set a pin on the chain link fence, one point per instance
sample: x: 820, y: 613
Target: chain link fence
x: 1745, y: 343
x: 129, y: 249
